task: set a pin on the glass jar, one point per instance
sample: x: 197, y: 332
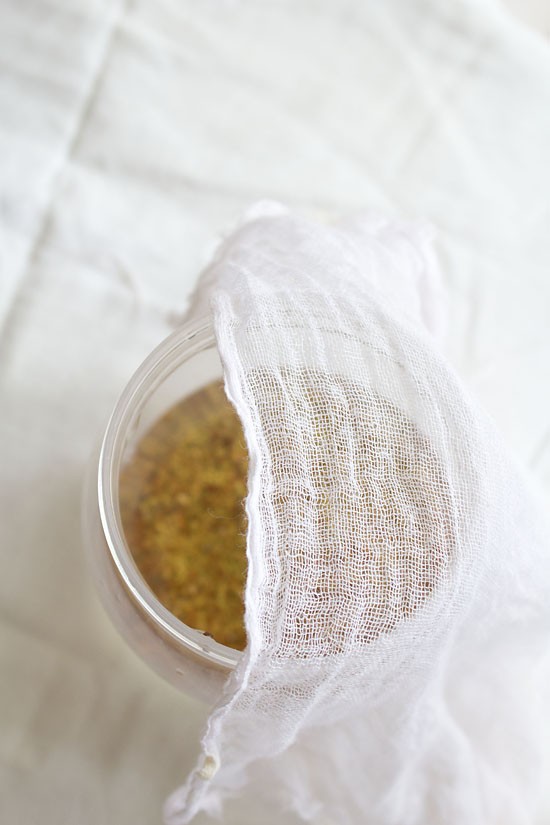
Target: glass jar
x: 190, y: 660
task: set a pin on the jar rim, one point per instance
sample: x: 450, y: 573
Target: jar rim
x: 190, y: 339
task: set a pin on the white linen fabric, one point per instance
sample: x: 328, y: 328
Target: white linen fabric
x: 398, y: 592
x: 131, y: 133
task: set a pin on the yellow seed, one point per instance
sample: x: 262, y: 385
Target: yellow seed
x: 181, y: 503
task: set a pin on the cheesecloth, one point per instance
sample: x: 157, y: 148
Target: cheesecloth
x: 397, y: 601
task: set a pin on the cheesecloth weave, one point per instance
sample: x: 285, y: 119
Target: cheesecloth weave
x: 397, y: 601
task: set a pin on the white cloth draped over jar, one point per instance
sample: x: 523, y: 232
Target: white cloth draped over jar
x: 397, y: 602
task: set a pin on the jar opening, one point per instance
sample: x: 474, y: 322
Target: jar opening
x: 183, y: 363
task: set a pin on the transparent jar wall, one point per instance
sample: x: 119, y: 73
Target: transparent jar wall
x: 189, y: 660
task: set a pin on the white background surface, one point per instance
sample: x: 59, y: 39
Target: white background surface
x: 131, y: 134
